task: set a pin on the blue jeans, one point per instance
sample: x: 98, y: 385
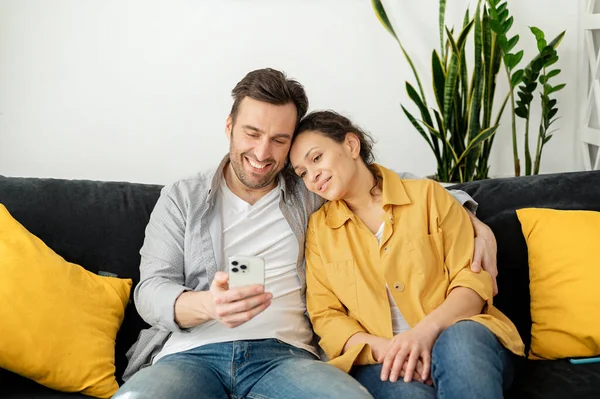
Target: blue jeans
x: 260, y: 369
x: 467, y: 361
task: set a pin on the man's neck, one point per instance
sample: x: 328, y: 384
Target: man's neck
x: 250, y: 195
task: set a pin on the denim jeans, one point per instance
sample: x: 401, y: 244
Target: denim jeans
x: 467, y: 361
x: 259, y: 369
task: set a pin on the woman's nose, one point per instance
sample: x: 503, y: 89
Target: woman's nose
x: 314, y: 175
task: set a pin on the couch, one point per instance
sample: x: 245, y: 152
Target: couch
x: 100, y: 225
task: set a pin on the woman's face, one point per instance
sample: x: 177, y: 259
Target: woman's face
x: 325, y: 166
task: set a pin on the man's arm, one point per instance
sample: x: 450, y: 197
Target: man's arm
x: 162, y: 264
x: 161, y: 297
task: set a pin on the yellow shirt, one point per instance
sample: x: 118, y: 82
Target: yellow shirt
x: 425, y: 252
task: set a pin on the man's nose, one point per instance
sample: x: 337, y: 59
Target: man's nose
x: 263, y: 150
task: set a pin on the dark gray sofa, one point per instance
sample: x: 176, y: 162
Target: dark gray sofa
x: 100, y: 225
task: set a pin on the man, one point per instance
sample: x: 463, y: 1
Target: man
x: 213, y: 342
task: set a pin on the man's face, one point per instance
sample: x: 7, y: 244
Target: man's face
x: 259, y: 141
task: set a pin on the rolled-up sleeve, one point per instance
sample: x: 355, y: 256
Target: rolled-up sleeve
x: 162, y: 264
x: 327, y: 314
x: 458, y: 236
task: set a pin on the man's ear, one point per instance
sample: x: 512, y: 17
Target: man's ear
x: 353, y: 144
x: 228, y: 127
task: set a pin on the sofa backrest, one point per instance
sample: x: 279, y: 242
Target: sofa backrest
x: 498, y: 199
x: 98, y: 225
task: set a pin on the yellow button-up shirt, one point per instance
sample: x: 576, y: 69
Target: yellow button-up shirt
x: 425, y: 252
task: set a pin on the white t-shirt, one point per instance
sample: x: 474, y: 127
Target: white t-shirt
x: 256, y: 230
x: 399, y: 323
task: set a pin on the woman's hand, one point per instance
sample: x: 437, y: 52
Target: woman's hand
x: 410, y: 347
x: 379, y: 346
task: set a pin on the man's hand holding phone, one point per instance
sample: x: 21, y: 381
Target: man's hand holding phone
x: 235, y: 306
x: 232, y: 299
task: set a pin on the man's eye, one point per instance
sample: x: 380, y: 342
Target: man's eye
x: 316, y: 159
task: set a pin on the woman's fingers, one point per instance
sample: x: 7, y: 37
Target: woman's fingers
x: 426, y: 359
x: 399, y: 362
x: 411, y: 365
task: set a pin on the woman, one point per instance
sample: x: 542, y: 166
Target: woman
x: 389, y: 287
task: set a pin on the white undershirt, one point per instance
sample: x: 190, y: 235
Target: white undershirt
x: 255, y: 230
x: 399, y: 324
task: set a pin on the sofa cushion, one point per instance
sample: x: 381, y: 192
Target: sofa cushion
x: 23, y: 388
x: 555, y: 379
x: 498, y: 200
x: 60, y: 321
x: 564, y: 270
x: 98, y: 225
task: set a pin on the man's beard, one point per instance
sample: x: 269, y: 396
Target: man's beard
x: 237, y: 164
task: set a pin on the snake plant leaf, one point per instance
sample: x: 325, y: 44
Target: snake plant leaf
x: 481, y: 137
x: 439, y: 79
x: 474, y: 107
x: 460, y: 43
x: 440, y: 123
x: 432, y: 130
x: 418, y: 127
x: 382, y: 17
x: 413, y: 95
x: 442, y: 24
x: 451, y: 79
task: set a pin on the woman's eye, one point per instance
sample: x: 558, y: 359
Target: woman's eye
x: 302, y: 174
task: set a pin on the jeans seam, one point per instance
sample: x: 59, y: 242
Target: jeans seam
x: 435, y: 366
x: 232, y: 371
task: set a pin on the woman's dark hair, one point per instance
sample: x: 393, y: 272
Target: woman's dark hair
x: 335, y: 126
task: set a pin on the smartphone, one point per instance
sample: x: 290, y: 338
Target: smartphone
x: 245, y: 270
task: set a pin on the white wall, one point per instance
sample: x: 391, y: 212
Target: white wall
x: 139, y: 90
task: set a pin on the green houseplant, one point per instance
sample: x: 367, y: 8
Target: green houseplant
x: 460, y: 128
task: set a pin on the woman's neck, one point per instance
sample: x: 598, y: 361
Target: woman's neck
x: 363, y: 196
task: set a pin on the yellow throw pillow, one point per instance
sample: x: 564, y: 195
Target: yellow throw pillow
x: 564, y: 273
x: 58, y: 322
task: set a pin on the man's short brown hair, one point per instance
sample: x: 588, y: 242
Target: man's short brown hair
x: 270, y: 86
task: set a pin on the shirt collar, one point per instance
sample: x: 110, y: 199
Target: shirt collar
x: 394, y: 193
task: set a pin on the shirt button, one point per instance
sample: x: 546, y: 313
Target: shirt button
x: 386, y: 249
x: 399, y: 286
